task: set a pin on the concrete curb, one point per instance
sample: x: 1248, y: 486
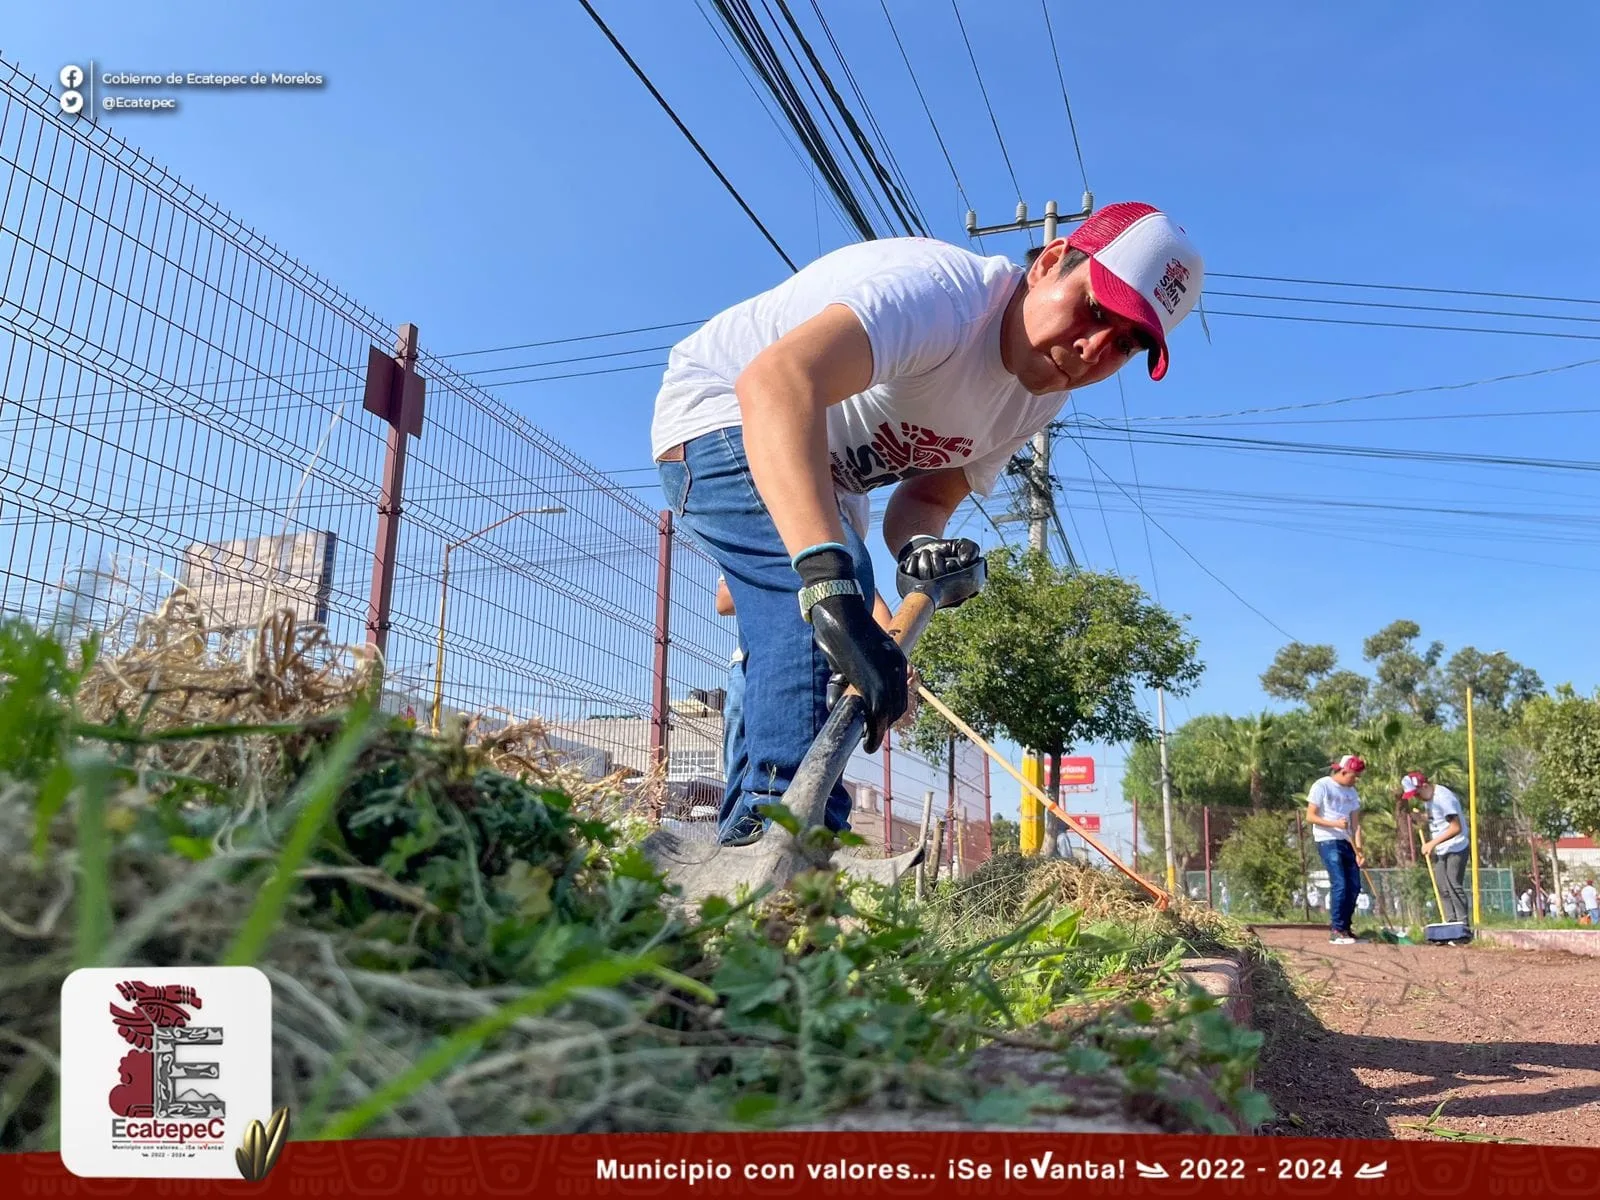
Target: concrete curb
x: 1222, y: 978
x: 1572, y: 941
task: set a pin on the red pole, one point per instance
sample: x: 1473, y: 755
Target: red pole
x: 888, y: 793
x: 659, y: 711
x: 1206, y: 815
x: 394, y: 392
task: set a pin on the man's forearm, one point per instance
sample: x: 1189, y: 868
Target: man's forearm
x: 784, y: 396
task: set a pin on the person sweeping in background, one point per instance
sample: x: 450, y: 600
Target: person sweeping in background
x: 1333, y: 809
x: 1447, y: 843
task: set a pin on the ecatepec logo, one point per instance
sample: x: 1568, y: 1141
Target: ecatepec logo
x: 163, y: 1070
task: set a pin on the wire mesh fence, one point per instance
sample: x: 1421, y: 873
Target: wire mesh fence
x: 1401, y: 895
x: 185, y: 413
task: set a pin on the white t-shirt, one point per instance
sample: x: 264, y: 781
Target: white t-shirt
x: 939, y: 396
x: 1591, y: 898
x: 1332, y: 801
x: 1441, y: 808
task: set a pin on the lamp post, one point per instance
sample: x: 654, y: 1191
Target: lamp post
x: 444, y: 595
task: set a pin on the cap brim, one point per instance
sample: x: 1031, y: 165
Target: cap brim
x: 1411, y: 795
x: 1116, y: 296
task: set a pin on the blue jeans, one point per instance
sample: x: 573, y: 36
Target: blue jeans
x: 734, y: 755
x: 785, y: 675
x: 1344, y: 881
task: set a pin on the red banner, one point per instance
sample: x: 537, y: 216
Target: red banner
x: 922, y: 1165
x: 1090, y: 821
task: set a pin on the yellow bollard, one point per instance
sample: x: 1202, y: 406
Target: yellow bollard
x: 1031, y: 825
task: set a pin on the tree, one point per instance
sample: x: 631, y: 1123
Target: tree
x: 1005, y: 836
x: 1052, y: 657
x: 1141, y: 785
x: 1263, y: 758
x: 1393, y: 744
x: 1500, y: 685
x: 1295, y: 671
x: 1261, y: 861
x: 1564, y: 731
x: 1306, y: 675
x: 1408, y: 681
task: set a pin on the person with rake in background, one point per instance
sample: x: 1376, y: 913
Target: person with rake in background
x: 1333, y: 811
x: 1447, y: 843
x: 900, y: 362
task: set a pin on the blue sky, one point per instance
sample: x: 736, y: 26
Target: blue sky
x: 495, y: 174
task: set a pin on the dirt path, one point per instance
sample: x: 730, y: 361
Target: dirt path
x: 1375, y: 1036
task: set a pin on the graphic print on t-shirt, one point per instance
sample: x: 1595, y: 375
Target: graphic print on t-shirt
x: 891, y: 456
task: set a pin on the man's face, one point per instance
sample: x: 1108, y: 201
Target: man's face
x: 1345, y: 778
x: 1058, y: 336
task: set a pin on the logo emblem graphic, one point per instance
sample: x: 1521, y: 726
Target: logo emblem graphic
x: 154, y: 1081
x: 1172, y: 286
x: 166, y: 1073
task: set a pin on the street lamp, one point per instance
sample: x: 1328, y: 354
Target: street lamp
x: 444, y: 593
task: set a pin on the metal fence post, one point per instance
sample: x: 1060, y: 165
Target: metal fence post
x: 1206, y: 814
x: 888, y: 792
x: 394, y: 392
x: 950, y: 802
x: 988, y: 814
x: 659, y: 710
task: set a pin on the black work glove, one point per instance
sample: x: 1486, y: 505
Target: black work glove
x: 926, y: 557
x: 856, y: 646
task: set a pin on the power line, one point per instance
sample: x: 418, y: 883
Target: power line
x: 684, y: 129
x: 1427, y: 308
x: 809, y: 167
x: 1060, y: 78
x: 977, y: 74
x: 763, y: 56
x: 1403, y: 287
x: 1104, y: 522
x: 1155, y: 580
x: 1407, y: 454
x: 477, y: 375
x: 1580, y: 337
x: 561, y: 341
x: 932, y: 124
x: 1411, y: 391
x: 1170, y: 537
x: 899, y: 175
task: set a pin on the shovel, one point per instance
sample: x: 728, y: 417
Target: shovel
x: 700, y: 868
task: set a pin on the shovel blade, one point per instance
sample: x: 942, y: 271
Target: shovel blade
x: 702, y: 867
x: 887, y: 871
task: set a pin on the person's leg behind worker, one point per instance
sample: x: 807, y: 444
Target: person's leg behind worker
x: 786, y: 676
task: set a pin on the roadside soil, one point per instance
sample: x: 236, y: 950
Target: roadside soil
x: 1366, y: 1040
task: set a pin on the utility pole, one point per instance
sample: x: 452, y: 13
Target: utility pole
x: 1041, y: 497
x: 1166, y: 792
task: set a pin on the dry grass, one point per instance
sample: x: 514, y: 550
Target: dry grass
x: 181, y: 670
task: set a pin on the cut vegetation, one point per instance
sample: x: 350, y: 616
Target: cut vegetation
x: 462, y: 937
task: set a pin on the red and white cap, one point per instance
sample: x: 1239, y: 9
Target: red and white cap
x: 1411, y: 783
x: 1143, y: 267
x: 1349, y: 762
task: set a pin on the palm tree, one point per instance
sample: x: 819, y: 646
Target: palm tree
x: 1260, y: 758
x: 1392, y: 744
